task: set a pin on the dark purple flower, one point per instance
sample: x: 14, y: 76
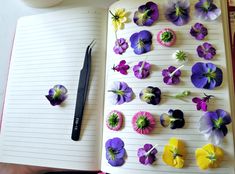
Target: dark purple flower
x: 213, y: 125
x: 147, y: 14
x: 151, y: 95
x: 115, y: 152
x: 142, y: 69
x: 171, y: 76
x: 178, y: 12
x: 207, y: 10
x: 57, y: 95
x: 120, y: 93
x: 174, y: 119
x: 121, y: 67
x: 202, y: 102
x: 147, y: 154
x: 199, y: 31
x: 206, y: 51
x: 141, y: 42
x: 121, y: 46
x: 206, y: 75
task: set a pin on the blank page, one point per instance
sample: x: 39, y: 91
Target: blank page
x: 161, y: 57
x: 49, y: 49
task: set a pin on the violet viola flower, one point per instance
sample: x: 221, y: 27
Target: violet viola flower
x: 121, y: 67
x: 206, y: 51
x: 213, y: 125
x: 199, y: 31
x: 121, y: 46
x: 147, y: 154
x: 121, y: 93
x: 57, y: 95
x: 178, y: 12
x: 141, y: 42
x: 206, y: 75
x: 142, y: 70
x: 115, y: 152
x: 202, y: 102
x: 147, y: 14
x: 151, y: 95
x: 207, y: 10
x: 171, y: 75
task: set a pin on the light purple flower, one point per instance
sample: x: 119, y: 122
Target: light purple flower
x: 207, y: 10
x: 206, y: 51
x: 213, y: 125
x: 145, y: 155
x: 202, y: 102
x: 121, y: 46
x: 142, y: 69
x: 199, y: 31
x: 121, y: 67
x: 169, y: 78
x: 57, y: 95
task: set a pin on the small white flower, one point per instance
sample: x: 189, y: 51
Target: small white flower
x: 180, y: 56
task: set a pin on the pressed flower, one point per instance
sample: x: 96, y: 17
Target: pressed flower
x: 119, y: 18
x: 147, y: 14
x: 166, y: 37
x: 202, y: 102
x: 143, y: 122
x: 115, y: 152
x: 121, y: 93
x: 206, y: 75
x: 171, y: 75
x: 180, y: 56
x: 207, y: 10
x: 114, y: 120
x: 199, y: 31
x: 180, y: 95
x: 151, y: 95
x: 174, y: 153
x: 142, y: 70
x: 206, y: 51
x: 141, y: 42
x: 57, y: 95
x: 147, y: 154
x: 209, y: 156
x: 121, y: 67
x: 213, y: 125
x: 174, y: 119
x: 121, y: 46
x: 178, y: 11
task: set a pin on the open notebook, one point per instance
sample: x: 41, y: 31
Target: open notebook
x: 49, y: 49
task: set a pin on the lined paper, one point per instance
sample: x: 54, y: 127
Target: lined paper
x: 49, y: 49
x: 160, y: 58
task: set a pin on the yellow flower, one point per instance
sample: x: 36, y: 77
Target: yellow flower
x: 209, y: 156
x: 174, y: 153
x: 119, y: 18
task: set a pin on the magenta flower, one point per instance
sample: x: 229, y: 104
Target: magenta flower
x: 143, y: 122
x: 114, y: 120
x: 121, y: 46
x: 121, y: 67
x: 142, y: 69
x: 202, y: 102
x: 57, y: 95
x: 171, y: 76
x: 147, y: 154
x: 206, y: 51
x: 199, y: 31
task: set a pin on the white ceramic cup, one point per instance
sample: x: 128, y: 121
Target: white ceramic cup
x: 42, y: 3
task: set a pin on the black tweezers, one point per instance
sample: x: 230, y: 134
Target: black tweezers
x: 82, y: 93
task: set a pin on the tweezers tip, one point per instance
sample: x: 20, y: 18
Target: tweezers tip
x: 92, y: 44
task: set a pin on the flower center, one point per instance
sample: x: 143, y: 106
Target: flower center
x: 175, y: 153
x: 142, y: 122
x: 218, y: 123
x: 140, y: 43
x: 206, y: 5
x: 57, y: 93
x: 167, y: 36
x: 181, y: 56
x: 115, y: 17
x: 113, y: 120
x: 212, y: 157
x: 118, y: 92
x: 210, y: 75
x: 112, y: 153
x: 178, y: 11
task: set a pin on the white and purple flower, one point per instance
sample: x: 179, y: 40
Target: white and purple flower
x: 206, y: 51
x: 147, y: 154
x: 142, y: 70
x: 57, y: 95
x: 199, y: 31
x: 121, y: 46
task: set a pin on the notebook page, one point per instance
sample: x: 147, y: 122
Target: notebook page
x: 49, y: 49
x: 160, y: 58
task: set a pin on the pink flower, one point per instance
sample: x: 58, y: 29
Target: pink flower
x: 121, y: 67
x: 166, y: 37
x: 143, y: 122
x: 114, y: 120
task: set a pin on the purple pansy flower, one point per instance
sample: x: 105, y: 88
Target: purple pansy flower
x: 147, y: 14
x: 121, y: 46
x: 151, y: 95
x: 171, y: 76
x: 121, y: 67
x: 115, y: 152
x: 147, y: 154
x: 199, y: 31
x: 174, y: 119
x: 206, y: 75
x: 178, y: 12
x: 207, y: 10
x: 121, y: 93
x: 202, y: 102
x: 213, y: 125
x: 57, y: 95
x: 142, y: 70
x: 141, y: 42
x: 206, y: 51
